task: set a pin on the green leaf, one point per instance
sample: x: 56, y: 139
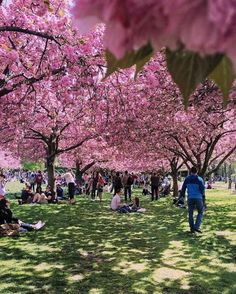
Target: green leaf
x: 189, y: 69
x: 138, y: 58
x: 223, y: 75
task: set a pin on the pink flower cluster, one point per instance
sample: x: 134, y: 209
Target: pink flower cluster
x: 39, y: 7
x: 204, y: 26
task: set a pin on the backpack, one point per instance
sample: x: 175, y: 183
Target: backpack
x: 10, y: 230
x: 130, y: 181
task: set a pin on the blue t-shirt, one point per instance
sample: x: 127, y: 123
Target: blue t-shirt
x: 195, y: 187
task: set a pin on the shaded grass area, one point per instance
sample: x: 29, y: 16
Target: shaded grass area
x: 86, y: 248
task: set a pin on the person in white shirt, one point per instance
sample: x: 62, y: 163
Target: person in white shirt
x: 70, y: 181
x: 116, y: 201
x: 2, y: 185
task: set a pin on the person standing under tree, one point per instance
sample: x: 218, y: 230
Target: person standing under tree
x: 39, y: 179
x: 127, y: 183
x: 100, y: 186
x: 117, y: 183
x: 94, y: 184
x: 32, y: 181
x: 70, y: 181
x: 2, y: 185
x: 196, y: 198
x: 155, y: 182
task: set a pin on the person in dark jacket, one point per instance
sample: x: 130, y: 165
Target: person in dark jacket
x: 196, y: 198
x: 155, y: 182
x: 117, y: 183
x: 26, y: 195
x: 94, y: 184
x: 127, y: 183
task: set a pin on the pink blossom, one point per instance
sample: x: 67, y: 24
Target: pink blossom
x: 204, y: 26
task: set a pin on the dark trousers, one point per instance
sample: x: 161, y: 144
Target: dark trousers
x: 128, y: 192
x: 124, y: 209
x: 26, y: 227
x: 155, y: 192
x: 93, y: 192
x: 71, y: 190
x: 192, y: 204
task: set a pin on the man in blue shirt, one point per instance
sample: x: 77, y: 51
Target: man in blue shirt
x: 196, y: 196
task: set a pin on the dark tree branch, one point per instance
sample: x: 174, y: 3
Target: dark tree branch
x: 87, y: 166
x: 29, y: 32
x: 29, y: 81
x: 222, y: 160
x: 59, y: 151
x: 42, y: 56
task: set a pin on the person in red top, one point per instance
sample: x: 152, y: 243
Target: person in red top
x: 100, y: 186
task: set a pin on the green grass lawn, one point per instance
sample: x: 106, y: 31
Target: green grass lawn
x: 88, y: 249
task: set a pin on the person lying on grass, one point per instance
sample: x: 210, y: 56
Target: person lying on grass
x: 6, y: 217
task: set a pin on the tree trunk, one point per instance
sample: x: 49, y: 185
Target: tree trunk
x: 174, y: 174
x: 51, y: 158
x: 225, y: 173
x: 230, y: 177
x: 175, y: 184
x: 51, y: 172
x: 78, y: 172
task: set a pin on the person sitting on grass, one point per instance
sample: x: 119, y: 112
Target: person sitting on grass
x: 116, y: 204
x: 209, y: 185
x: 39, y: 197
x: 116, y: 201
x: 50, y: 195
x: 6, y: 217
x: 60, y: 192
x: 135, y: 206
x: 26, y: 195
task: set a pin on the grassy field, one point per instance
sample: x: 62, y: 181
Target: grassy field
x: 88, y: 249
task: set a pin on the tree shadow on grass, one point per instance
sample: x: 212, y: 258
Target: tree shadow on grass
x: 88, y: 249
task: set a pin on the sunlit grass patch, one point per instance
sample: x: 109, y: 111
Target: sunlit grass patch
x: 86, y: 248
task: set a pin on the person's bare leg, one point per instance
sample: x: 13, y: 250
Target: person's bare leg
x: 36, y: 197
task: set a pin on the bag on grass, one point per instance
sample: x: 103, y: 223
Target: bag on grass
x: 10, y: 230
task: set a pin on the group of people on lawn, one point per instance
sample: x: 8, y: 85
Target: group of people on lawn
x: 193, y: 184
x: 40, y: 197
x: 117, y: 205
x: 10, y: 225
x: 49, y: 195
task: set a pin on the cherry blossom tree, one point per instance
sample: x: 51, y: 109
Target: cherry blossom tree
x: 50, y: 76
x: 8, y: 161
x: 204, y: 136
x: 93, y: 154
